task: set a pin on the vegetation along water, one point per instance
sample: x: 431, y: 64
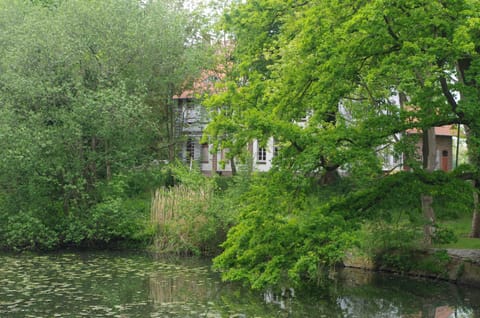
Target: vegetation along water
x: 335, y: 121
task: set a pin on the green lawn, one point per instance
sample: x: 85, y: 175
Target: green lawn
x: 461, y: 227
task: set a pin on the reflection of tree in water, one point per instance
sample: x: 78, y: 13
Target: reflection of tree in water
x: 188, y: 294
x: 353, y: 293
x: 387, y: 295
x: 98, y: 284
x: 183, y: 287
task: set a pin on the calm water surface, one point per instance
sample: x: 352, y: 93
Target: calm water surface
x: 105, y: 284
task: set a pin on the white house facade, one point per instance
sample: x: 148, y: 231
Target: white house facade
x: 193, y: 119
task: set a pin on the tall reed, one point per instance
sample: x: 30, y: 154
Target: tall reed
x: 181, y: 216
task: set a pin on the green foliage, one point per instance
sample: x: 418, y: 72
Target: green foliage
x: 289, y: 229
x: 281, y: 234
x: 24, y: 231
x: 397, y: 196
x: 85, y: 102
x: 117, y: 219
x: 123, y: 211
x: 398, y: 247
x: 391, y: 246
x: 415, y: 261
x: 436, y: 263
x: 364, y: 74
x: 444, y: 235
x: 380, y: 237
x: 461, y: 229
x: 121, y: 214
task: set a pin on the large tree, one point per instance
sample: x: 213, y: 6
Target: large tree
x: 363, y: 73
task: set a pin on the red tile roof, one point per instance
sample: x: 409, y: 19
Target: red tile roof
x: 447, y: 130
x: 205, y: 84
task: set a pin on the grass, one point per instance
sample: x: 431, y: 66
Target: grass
x: 464, y: 243
x: 461, y: 227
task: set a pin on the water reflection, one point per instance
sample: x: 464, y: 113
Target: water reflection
x: 387, y: 295
x: 357, y: 293
x: 282, y: 299
x: 138, y: 285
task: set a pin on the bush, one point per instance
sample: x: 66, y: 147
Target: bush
x: 117, y: 219
x: 380, y: 236
x: 391, y: 245
x: 24, y: 231
x: 444, y: 235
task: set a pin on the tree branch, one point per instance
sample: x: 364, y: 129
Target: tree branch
x: 390, y: 30
x: 448, y: 95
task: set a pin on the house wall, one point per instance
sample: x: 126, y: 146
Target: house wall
x: 443, y: 144
x: 215, y: 163
x: 258, y: 163
x: 194, y: 120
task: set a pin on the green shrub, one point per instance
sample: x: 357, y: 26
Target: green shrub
x: 391, y: 245
x: 380, y: 236
x: 396, y: 259
x: 435, y: 263
x: 73, y: 231
x: 117, y: 219
x: 24, y: 231
x: 120, y: 215
x: 444, y: 235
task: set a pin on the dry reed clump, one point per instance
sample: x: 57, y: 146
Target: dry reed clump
x: 180, y: 214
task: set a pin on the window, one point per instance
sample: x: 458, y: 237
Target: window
x: 262, y: 154
x: 386, y: 158
x: 190, y: 149
x: 205, y: 154
x: 189, y: 105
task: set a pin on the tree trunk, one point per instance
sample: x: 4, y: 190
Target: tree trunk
x: 429, y: 149
x: 429, y: 155
x: 473, y: 158
x: 476, y: 216
x: 429, y: 214
x: 234, y: 166
x: 171, y: 123
x: 108, y: 170
x: 92, y: 165
x: 330, y: 176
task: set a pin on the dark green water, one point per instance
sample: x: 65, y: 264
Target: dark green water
x: 137, y: 285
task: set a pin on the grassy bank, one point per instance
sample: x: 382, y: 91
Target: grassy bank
x: 461, y: 227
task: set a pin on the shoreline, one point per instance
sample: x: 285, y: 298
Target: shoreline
x: 462, y: 266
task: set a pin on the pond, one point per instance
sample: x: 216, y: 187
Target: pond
x: 107, y: 284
